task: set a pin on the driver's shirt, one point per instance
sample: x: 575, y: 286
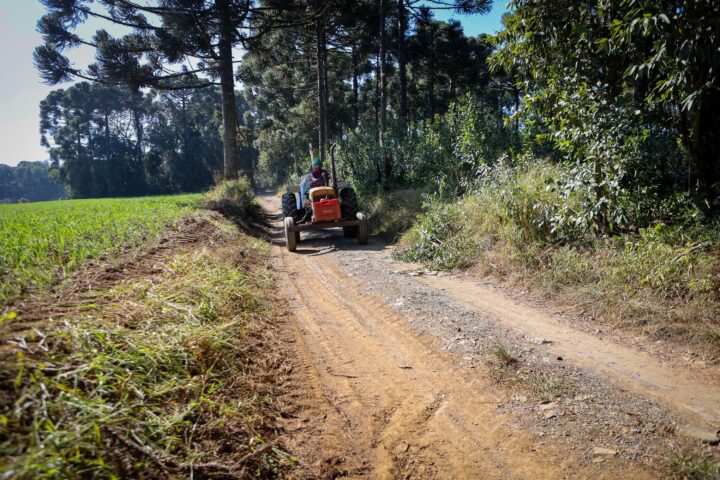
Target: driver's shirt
x: 317, y: 177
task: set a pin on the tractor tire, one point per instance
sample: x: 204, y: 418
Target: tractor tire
x: 289, y: 206
x: 349, y: 210
x: 290, y: 237
x: 362, y: 229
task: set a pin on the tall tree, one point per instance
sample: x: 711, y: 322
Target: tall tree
x: 106, y: 141
x: 402, y: 58
x: 420, y: 10
x: 650, y: 64
x: 672, y: 48
x: 166, y: 44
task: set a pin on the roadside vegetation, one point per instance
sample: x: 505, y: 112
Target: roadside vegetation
x: 41, y: 243
x: 517, y: 225
x: 392, y: 213
x: 235, y: 200
x: 635, y: 250
x: 154, y: 375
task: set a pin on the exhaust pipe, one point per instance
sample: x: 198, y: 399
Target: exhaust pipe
x: 332, y: 166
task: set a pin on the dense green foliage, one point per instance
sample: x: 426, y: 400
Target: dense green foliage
x: 623, y: 85
x: 447, y: 153
x: 106, y: 142
x: 43, y: 242
x: 362, y: 93
x: 28, y: 182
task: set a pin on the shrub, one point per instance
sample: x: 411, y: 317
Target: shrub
x: 517, y: 222
x: 235, y: 199
x: 445, y: 153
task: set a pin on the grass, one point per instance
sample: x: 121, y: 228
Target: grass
x: 157, y: 376
x: 391, y: 214
x: 502, y: 355
x: 540, y: 385
x: 544, y: 386
x: 499, y: 368
x: 686, y: 466
x: 41, y: 243
x: 236, y: 201
x: 663, y: 280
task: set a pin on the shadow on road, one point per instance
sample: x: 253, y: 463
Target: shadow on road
x: 320, y: 242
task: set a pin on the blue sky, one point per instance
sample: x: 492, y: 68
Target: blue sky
x: 21, y: 89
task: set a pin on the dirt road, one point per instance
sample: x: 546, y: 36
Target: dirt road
x: 392, y: 379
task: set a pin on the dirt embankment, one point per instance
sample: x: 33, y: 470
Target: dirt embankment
x: 404, y: 373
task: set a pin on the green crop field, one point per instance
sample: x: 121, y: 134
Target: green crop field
x: 41, y: 243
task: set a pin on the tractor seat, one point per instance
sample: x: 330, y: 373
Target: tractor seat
x: 318, y: 193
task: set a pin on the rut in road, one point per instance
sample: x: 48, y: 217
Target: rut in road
x: 382, y: 401
x: 694, y: 395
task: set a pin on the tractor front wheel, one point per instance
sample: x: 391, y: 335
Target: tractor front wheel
x: 289, y: 206
x: 290, y: 236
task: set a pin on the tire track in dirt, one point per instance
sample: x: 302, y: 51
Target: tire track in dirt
x: 696, y: 398
x: 389, y: 402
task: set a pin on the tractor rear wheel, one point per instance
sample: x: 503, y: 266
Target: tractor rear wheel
x: 349, y: 210
x: 290, y: 237
x: 289, y: 206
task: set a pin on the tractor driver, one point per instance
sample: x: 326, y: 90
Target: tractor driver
x: 319, y: 177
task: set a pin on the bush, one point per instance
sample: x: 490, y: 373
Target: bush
x: 236, y: 191
x: 440, y: 237
x: 517, y: 223
x: 446, y: 153
x: 393, y: 213
x: 235, y: 199
x: 514, y: 205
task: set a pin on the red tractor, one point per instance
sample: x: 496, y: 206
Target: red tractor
x: 323, y: 208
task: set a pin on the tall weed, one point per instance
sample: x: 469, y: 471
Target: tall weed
x: 516, y: 222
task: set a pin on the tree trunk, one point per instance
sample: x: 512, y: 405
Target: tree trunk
x: 386, y: 159
x: 402, y: 67
x: 326, y: 86
x: 600, y: 216
x: 184, y: 129
x: 321, y: 85
x: 378, y: 171
x: 377, y: 95
x: 227, y: 93
x: 355, y: 106
x: 706, y: 152
x: 430, y: 107
x: 516, y: 99
x: 431, y: 76
x: 106, y: 122
x: 139, y: 133
x: 381, y: 71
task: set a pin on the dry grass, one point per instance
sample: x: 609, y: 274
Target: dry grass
x: 391, y: 214
x: 161, y: 376
x: 687, y: 466
x: 663, y: 281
